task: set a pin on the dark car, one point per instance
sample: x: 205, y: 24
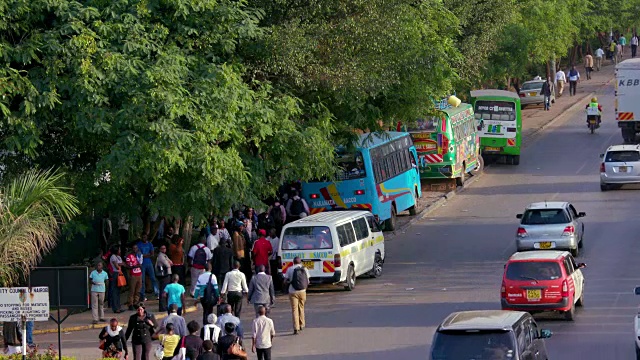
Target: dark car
x: 489, y: 334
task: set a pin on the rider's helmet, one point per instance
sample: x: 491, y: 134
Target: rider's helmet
x: 594, y: 99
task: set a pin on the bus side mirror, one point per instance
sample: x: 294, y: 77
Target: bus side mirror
x: 601, y: 156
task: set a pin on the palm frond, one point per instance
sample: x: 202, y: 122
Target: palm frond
x: 32, y: 208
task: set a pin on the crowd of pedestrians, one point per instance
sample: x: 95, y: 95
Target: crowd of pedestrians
x: 233, y: 261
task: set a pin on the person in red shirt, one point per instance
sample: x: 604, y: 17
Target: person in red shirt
x: 134, y: 261
x: 262, y: 250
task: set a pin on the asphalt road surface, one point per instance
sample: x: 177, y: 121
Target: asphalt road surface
x: 453, y: 260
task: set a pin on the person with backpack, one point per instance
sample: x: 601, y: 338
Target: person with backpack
x: 198, y: 257
x: 297, y: 278
x: 207, y: 292
x: 297, y: 207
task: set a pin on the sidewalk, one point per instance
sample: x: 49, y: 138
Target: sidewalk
x: 534, y: 120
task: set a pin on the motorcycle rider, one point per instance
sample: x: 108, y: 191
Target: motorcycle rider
x: 594, y: 109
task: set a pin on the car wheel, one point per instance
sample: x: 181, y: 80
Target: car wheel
x: 581, y: 242
x: 390, y: 223
x: 515, y: 160
x: 570, y: 314
x: 479, y: 166
x: 604, y: 187
x: 580, y: 301
x: 414, y: 209
x: 575, y: 252
x: 460, y: 180
x: 376, y: 272
x: 351, y: 279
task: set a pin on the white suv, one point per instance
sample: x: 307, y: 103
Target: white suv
x: 620, y: 165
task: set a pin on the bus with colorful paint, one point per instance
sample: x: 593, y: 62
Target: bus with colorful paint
x: 447, y: 144
x: 499, y: 122
x: 379, y: 176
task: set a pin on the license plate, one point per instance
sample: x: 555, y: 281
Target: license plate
x: 310, y: 265
x: 533, y: 94
x: 534, y: 294
x: 622, y: 169
x: 490, y: 148
x: 545, y: 245
x: 592, y: 121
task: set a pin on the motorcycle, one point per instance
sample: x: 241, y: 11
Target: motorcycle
x: 593, y: 122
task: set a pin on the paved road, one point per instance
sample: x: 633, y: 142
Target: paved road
x: 453, y: 260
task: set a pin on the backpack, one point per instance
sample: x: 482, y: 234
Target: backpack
x: 276, y: 215
x: 200, y: 257
x: 210, y: 297
x: 297, y: 207
x: 299, y: 280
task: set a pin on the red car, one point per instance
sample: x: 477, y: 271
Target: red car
x: 537, y: 281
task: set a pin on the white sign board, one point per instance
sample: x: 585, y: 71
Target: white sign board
x: 19, y: 301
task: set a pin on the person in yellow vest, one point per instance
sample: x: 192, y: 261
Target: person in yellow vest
x: 594, y: 109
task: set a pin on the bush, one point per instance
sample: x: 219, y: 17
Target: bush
x: 32, y: 354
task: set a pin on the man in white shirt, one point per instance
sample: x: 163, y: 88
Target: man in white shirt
x: 234, y: 287
x: 561, y: 79
x: 297, y: 293
x: 263, y: 333
x: 198, y: 257
x: 634, y: 45
x: 213, y: 239
x: 599, y: 56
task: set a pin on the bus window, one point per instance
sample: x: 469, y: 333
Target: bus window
x: 351, y: 167
x: 427, y: 125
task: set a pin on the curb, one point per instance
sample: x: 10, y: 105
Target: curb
x: 443, y: 199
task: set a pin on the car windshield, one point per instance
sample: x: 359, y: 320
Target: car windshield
x: 532, y: 85
x: 544, y: 216
x: 533, y: 270
x: 351, y: 166
x: 472, y: 344
x: 622, y: 156
x: 307, y: 238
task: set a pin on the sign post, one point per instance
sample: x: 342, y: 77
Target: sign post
x: 22, y: 304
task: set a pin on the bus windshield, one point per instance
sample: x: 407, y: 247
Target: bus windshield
x: 431, y: 124
x: 495, y: 110
x: 351, y: 166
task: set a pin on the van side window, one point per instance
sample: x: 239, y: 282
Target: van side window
x: 568, y: 266
x: 362, y: 230
x: 520, y: 338
x: 372, y: 223
x: 345, y: 234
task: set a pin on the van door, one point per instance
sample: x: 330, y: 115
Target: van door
x: 376, y: 235
x: 364, y: 256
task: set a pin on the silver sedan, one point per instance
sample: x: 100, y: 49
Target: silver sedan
x: 531, y: 93
x: 550, y: 225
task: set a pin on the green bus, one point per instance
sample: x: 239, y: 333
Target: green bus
x: 447, y: 144
x: 499, y: 123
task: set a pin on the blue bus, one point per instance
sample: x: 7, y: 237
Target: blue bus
x: 380, y: 176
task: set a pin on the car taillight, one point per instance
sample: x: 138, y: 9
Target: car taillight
x: 565, y: 289
x: 503, y: 290
x: 602, y: 168
x: 568, y: 231
x: 359, y: 192
x: 521, y: 95
x: 522, y: 232
x: 314, y: 196
x: 336, y: 260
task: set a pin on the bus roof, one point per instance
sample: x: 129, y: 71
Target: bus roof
x: 494, y: 93
x: 457, y: 109
x: 371, y: 140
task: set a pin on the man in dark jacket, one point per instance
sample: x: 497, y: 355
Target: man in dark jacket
x: 547, y: 90
x: 222, y: 260
x: 225, y: 342
x: 141, y: 326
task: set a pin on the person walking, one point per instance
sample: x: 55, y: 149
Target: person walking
x: 262, y: 251
x: 273, y: 260
x: 134, y: 261
x: 222, y: 259
x: 174, y: 294
x: 213, y: 238
x: 229, y: 338
x: 613, y: 48
x: 176, y: 255
x: 297, y: 207
x: 297, y: 278
x: 228, y: 317
x: 619, y: 52
x: 178, y: 322
x: 211, y: 331
x: 574, y: 77
x: 169, y: 341
x: 599, y: 55
x: 123, y: 232
x: 547, y: 89
x: 223, y: 233
x: 279, y: 216
x: 192, y: 342
x: 113, y: 341
x: 163, y: 272
x: 98, y: 279
x: 208, y: 304
x: 207, y: 351
x: 263, y: 333
x: 146, y: 249
x: 141, y: 326
x: 198, y: 256
x: 239, y: 241
x: 261, y: 290
x: 233, y: 288
x: 115, y: 262
x: 622, y: 41
x: 588, y: 65
x: 12, y: 338
x: 634, y: 45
